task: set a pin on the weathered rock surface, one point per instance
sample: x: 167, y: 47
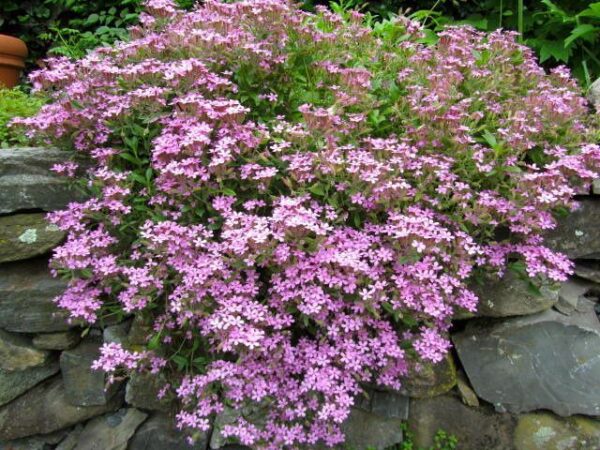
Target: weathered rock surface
x: 83, y: 385
x: 24, y: 236
x: 70, y: 442
x: 577, y: 235
x: 545, y: 431
x: 475, y: 428
x: 45, y: 409
x: 26, y: 294
x: 159, y: 433
x: 139, y: 332
x: 61, y: 340
x: 17, y: 353
x: 512, y: 296
x: 13, y: 384
x: 110, y: 432
x: 594, y: 95
x: 26, y: 181
x: 429, y: 379
x: 117, y: 333
x: 41, y: 442
x: 387, y: 404
x: 467, y: 394
x: 545, y: 361
x: 571, y: 291
x: 142, y: 392
x: 588, y: 270
x: 368, y: 430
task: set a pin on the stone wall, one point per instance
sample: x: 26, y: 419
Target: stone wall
x: 524, y: 375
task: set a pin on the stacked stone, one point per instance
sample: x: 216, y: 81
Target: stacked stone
x: 49, y: 396
x: 525, y: 373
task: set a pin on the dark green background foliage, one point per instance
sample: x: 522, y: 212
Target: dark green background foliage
x: 561, y: 31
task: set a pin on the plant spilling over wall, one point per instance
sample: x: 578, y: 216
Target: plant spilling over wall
x: 295, y: 203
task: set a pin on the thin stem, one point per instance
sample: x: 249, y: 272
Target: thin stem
x: 520, y: 27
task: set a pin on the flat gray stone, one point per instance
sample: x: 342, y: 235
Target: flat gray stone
x: 159, y: 433
x: 142, y: 392
x: 578, y: 234
x: 594, y: 95
x: 368, y: 430
x: 17, y: 353
x: 588, y: 270
x: 111, y: 431
x: 61, y: 340
x: 83, y: 385
x: 117, y: 333
x: 24, y: 236
x: 475, y: 428
x: 429, y: 379
x: 545, y: 361
x: 386, y: 404
x: 513, y: 296
x: 13, y: 384
x: 70, y: 442
x: 45, y: 409
x: 26, y: 298
x: 40, y: 442
x: 26, y: 181
x: 545, y: 431
x: 571, y: 291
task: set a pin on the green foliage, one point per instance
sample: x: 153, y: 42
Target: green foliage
x: 69, y: 27
x: 560, y: 31
x: 15, y: 103
x: 441, y: 441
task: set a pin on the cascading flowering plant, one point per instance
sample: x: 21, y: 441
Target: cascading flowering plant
x: 296, y: 203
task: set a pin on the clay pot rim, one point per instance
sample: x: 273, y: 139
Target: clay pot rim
x: 10, y: 45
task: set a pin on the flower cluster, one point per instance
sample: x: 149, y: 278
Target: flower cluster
x: 296, y: 204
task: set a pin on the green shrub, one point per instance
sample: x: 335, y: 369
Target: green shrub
x: 15, y: 103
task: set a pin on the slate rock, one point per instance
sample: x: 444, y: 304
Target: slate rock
x: 40, y: 442
x: 545, y: 431
x: 45, y: 409
x: 117, y: 333
x: 577, y: 235
x: 467, y: 394
x: 588, y: 270
x: 70, y: 442
x: 61, y: 340
x: 571, y: 291
x: 13, y: 384
x: 386, y: 404
x: 368, y: 430
x: 596, y: 187
x: 513, y: 296
x: 111, y: 431
x: 24, y: 236
x: 427, y: 379
x: 17, y: 353
x: 544, y: 361
x: 142, y: 392
x: 475, y: 428
x: 139, y: 332
x: 594, y: 95
x: 26, y: 298
x: 85, y: 386
x: 26, y: 181
x: 159, y: 433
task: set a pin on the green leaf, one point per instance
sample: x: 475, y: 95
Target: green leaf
x: 551, y: 49
x: 317, y: 189
x: 593, y: 10
x: 228, y: 191
x: 154, y: 342
x: 579, y: 32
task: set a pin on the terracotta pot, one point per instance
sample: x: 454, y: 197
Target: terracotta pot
x: 13, y: 52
